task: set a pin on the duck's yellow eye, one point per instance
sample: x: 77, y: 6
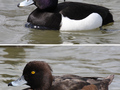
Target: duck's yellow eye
x: 33, y: 72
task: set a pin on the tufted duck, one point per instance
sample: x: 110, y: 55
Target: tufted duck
x: 37, y: 74
x: 66, y: 16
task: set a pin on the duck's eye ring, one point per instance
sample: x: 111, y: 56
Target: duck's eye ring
x: 32, y: 72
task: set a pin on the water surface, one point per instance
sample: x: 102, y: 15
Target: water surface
x: 12, y: 30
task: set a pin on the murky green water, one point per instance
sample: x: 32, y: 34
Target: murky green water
x: 12, y: 30
x: 80, y: 60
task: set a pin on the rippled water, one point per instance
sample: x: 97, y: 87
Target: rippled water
x: 80, y: 60
x: 12, y: 30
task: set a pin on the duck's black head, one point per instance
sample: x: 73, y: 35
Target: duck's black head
x: 45, y: 4
x: 37, y: 75
x: 41, y: 4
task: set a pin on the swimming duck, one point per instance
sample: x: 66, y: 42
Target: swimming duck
x: 66, y: 16
x: 37, y: 74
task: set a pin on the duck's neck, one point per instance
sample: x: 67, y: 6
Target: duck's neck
x: 44, y: 83
x: 46, y: 4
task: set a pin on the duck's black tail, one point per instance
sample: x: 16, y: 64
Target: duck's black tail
x: 106, y: 82
x: 108, y: 19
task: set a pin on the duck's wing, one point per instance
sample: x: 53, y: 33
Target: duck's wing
x: 77, y: 11
x: 94, y: 80
x: 74, y: 82
x: 68, y: 82
x: 100, y: 82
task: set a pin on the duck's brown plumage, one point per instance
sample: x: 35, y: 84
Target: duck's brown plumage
x: 43, y: 79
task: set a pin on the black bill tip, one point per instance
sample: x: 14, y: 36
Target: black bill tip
x: 18, y: 5
x: 10, y: 84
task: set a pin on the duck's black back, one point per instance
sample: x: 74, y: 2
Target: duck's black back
x: 77, y: 11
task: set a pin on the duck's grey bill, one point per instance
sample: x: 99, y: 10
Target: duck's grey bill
x: 18, y: 82
x: 25, y: 3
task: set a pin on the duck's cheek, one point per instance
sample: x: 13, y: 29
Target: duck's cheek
x: 25, y: 3
x: 18, y: 82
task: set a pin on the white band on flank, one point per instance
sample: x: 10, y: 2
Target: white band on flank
x: 92, y: 21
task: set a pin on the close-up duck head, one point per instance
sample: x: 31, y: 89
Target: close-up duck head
x: 36, y: 74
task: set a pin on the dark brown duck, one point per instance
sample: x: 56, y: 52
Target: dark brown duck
x: 37, y: 74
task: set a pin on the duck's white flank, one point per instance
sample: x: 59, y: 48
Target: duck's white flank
x: 92, y: 21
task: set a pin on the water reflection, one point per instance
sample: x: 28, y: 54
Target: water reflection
x: 17, y: 52
x: 93, y: 36
x: 96, y: 36
x: 42, y: 37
